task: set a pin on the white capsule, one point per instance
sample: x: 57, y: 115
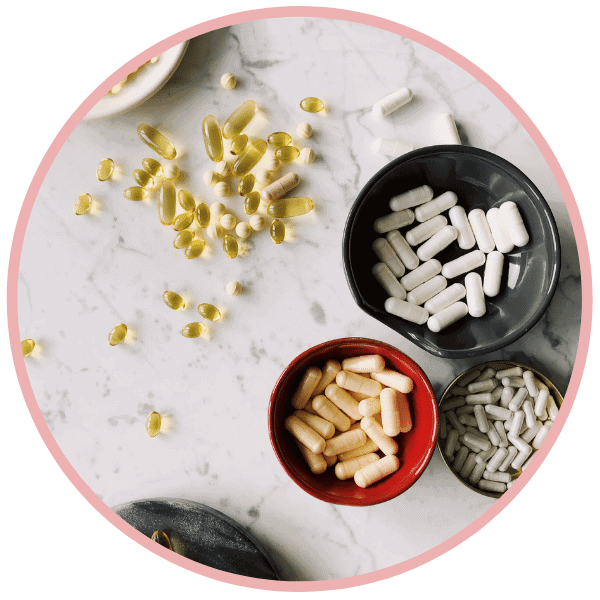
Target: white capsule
x: 395, y: 220
x: 402, y: 249
x: 392, y: 148
x: 386, y: 255
x: 552, y: 409
x: 485, y: 385
x: 447, y: 316
x: 406, y: 310
x: 502, y: 240
x: 515, y: 426
x: 487, y: 373
x: 518, y: 399
x: 529, y: 379
x: 499, y: 427
x: 529, y: 434
x: 421, y: 274
x: 513, y: 222
x: 481, y: 230
x: 540, y: 402
x: 497, y: 393
x: 468, y: 466
x: 498, y: 476
x: 463, y: 264
x: 459, y: 459
x: 493, y: 435
x: 443, y: 129
x: 454, y: 422
x: 519, y: 443
x: 480, y: 417
x: 481, y: 398
x: 456, y: 402
x: 475, y: 296
x: 458, y: 218
x: 391, y: 102
x: 442, y: 239
x: 485, y: 455
x: 529, y: 414
x: 443, y: 425
x: 388, y: 281
x: 445, y: 298
x: 492, y: 275
x: 507, y: 396
x: 498, y: 412
x: 476, y: 473
x: 512, y: 372
x: 450, y: 443
x: 496, y: 460
x: 492, y: 486
x: 521, y: 457
x: 424, y: 231
x: 540, y: 436
x: 517, y: 382
x: 412, y: 198
x: 435, y: 207
x: 427, y: 290
x: 511, y: 453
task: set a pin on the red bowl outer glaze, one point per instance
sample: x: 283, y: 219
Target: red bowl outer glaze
x: 415, y: 447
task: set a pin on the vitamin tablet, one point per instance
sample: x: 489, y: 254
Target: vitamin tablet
x: 243, y: 230
x: 406, y: 310
x: 239, y: 118
x: 166, y: 202
x: 83, y: 204
x: 316, y: 462
x: 217, y: 210
x: 307, y: 384
x: 329, y: 411
x: 492, y: 276
x: 157, y: 141
x: 249, y: 158
x: 305, y: 434
x: 183, y: 239
x: 434, y: 207
x: 277, y: 231
x: 263, y: 177
x: 347, y: 469
x: 345, y: 442
x: 395, y: 220
x: 210, y: 177
x: 174, y: 300
x: 251, y: 203
x: 222, y: 168
x: 238, y: 144
x: 202, y: 215
x: 117, y: 334
x: 186, y: 200
x: 304, y: 130
x: 354, y: 382
x: 160, y: 537
x: 463, y: 264
x: 474, y: 294
x: 312, y: 105
x: 388, y: 281
x: 458, y: 218
x: 135, y: 193
x: 193, y: 330
x: 105, y: 169
x: 324, y: 428
x: 258, y: 222
x: 386, y: 255
x: 27, y: 347
x: 280, y: 187
x: 513, y: 222
x: 290, y: 207
x: 422, y: 293
x: 228, y: 221
x: 171, y: 172
x: 375, y: 432
x: 183, y: 221
x: 209, y: 311
x: 442, y: 239
x: 394, y: 379
x: 421, y: 274
x: 279, y: 138
x: 426, y: 230
x: 343, y: 400
x: 412, y: 198
x: 307, y: 156
x: 447, y: 317
x: 230, y: 246
x: 402, y: 249
x: 443, y: 129
x: 369, y: 363
x: 228, y: 81
x: 501, y: 237
x: 481, y: 230
x: 153, y: 167
x: 221, y: 189
x: 391, y: 102
x: 195, y: 249
x: 445, y: 298
x: 330, y: 370
x: 153, y: 423
x: 393, y: 148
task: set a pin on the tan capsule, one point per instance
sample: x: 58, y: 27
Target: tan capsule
x: 230, y: 246
x: 369, y: 407
x: 117, y: 334
x: 214, y: 231
x: 202, y: 215
x: 343, y: 400
x: 171, y: 172
x: 143, y: 178
x: 186, y: 200
x: 228, y: 221
x: 370, y: 446
x: 174, y: 300
x: 251, y: 203
x: 222, y: 189
x: 330, y: 460
x: 239, y: 118
x: 344, y: 442
x: 105, y: 169
x: 153, y: 167
x: 330, y: 370
x: 135, y: 193
x: 374, y: 430
x: 83, y: 204
x: 243, y: 230
x: 258, y: 222
x: 234, y: 288
x: 323, y: 427
x: 222, y: 168
x: 304, y: 130
x: 307, y: 384
x: 357, y: 383
x: 368, y: 363
x: 249, y: 158
x: 304, y: 434
x: 213, y: 139
x: 183, y: 221
x: 279, y: 138
x: 287, y: 153
x: 316, y: 462
x: 183, y: 239
x: 307, y: 156
x: 393, y: 379
x: 153, y: 423
x: 195, y: 248
x: 238, y: 144
x: 193, y: 330
x: 280, y: 187
x: 289, y: 207
x: 210, y: 312
x: 157, y: 141
x: 210, y: 177
x: 312, y: 105
x: 376, y: 471
x: 246, y: 184
x: 27, y: 347
x: 346, y: 469
x: 228, y: 81
x: 329, y: 411
x: 277, y: 231
x: 390, y: 411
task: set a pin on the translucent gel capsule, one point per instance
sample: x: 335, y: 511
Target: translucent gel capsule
x: 277, y: 231
x: 143, y: 178
x: 135, y: 193
x: 246, y: 184
x: 153, y: 423
x: 183, y: 221
x: 117, y: 334
x: 166, y: 202
x: 160, y: 537
x: 287, y: 153
x: 193, y: 330
x: 183, y: 239
x: 210, y: 312
x: 157, y: 141
x: 173, y: 300
x: 186, y: 200
x: 203, y: 215
x: 105, y: 169
x: 290, y: 207
x: 252, y: 202
x: 153, y: 167
x: 213, y: 139
x: 239, y: 118
x: 27, y: 347
x: 230, y: 246
x: 195, y: 249
x: 249, y: 157
x: 238, y: 143
x: 280, y: 138
x: 312, y: 105
x: 83, y: 204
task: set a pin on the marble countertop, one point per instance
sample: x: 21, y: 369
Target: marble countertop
x: 80, y: 276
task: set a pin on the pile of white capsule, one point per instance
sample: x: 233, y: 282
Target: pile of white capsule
x: 416, y: 282
x: 492, y: 423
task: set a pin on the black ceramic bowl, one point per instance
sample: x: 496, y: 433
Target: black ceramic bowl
x: 483, y: 180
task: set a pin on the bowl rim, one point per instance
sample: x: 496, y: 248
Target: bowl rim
x: 323, y: 496
x: 483, y: 155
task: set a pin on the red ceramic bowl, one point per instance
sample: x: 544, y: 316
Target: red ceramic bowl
x: 416, y: 446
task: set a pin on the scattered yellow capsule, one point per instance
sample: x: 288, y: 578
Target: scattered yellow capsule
x: 234, y: 288
x: 186, y: 200
x: 230, y: 245
x: 210, y: 312
x: 277, y: 231
x: 153, y: 423
x: 173, y: 300
x: 304, y: 130
x: 157, y: 141
x: 246, y: 184
x: 183, y: 239
x: 105, y: 169
x: 153, y: 167
x: 280, y: 138
x: 202, y: 215
x: 183, y: 221
x: 83, y: 204
x: 287, y: 153
x: 143, y: 178
x: 252, y: 202
x: 249, y: 158
x: 193, y: 330
x: 238, y: 143
x: 135, y: 193
x: 117, y: 334
x: 27, y: 347
x: 239, y: 118
x: 160, y: 537
x: 289, y: 207
x: 213, y: 139
x: 167, y: 202
x: 195, y: 249
x: 312, y: 105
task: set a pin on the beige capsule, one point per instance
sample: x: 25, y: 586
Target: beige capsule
x: 357, y: 383
x: 376, y: 471
x: 369, y: 407
x: 368, y: 363
x: 280, y: 187
x: 210, y: 177
x: 330, y: 370
x: 370, y: 446
x: 305, y: 434
x: 390, y: 412
x: 324, y: 428
x: 221, y: 189
x: 316, y: 462
x: 307, y: 384
x: 329, y: 411
x: 228, y: 221
x: 330, y: 460
x: 243, y: 230
x: 346, y: 469
x: 393, y: 379
x: 374, y: 430
x: 343, y: 400
x: 171, y: 171
x: 344, y: 442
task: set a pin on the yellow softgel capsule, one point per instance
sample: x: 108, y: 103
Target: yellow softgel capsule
x: 238, y: 143
x: 183, y: 239
x: 210, y: 312
x: 290, y: 207
x: 239, y: 118
x: 160, y: 537
x: 230, y: 245
x: 246, y: 184
x: 143, y: 178
x: 249, y: 157
x: 195, y: 249
x: 135, y: 193
x: 27, y: 347
x: 105, y: 169
x: 213, y: 139
x: 280, y: 138
x: 186, y: 200
x: 174, y: 300
x: 183, y: 221
x: 153, y: 422
x: 117, y: 334
x: 153, y: 167
x: 312, y: 105
x: 202, y: 215
x: 277, y: 231
x: 251, y: 203
x: 167, y: 202
x: 83, y: 204
x: 157, y: 141
x: 287, y: 153
x: 193, y: 330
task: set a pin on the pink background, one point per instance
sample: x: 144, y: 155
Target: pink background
x: 58, y: 60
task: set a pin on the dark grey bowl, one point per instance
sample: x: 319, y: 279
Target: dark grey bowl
x: 483, y: 180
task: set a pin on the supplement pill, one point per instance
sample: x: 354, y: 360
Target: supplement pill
x: 458, y: 218
x: 406, y: 310
x: 307, y: 384
x: 386, y: 255
x: 305, y: 434
x: 143, y: 178
x: 390, y: 411
x: 117, y: 334
x: 421, y: 274
x: 541, y: 402
x: 393, y: 148
x: 443, y: 130
x: 195, y: 249
x: 246, y: 184
x: 280, y: 187
x: 476, y: 473
x: 492, y: 276
x: 249, y: 158
x: 372, y: 428
x: 347, y: 469
x: 157, y: 141
x: 27, y: 347
x: 540, y: 436
x: 186, y: 200
x: 475, y: 296
x: 263, y: 177
x: 316, y: 462
x: 105, y: 169
x: 83, y: 204
x: 210, y: 312
x: 290, y: 207
x: 501, y: 237
x: 221, y: 189
x: 345, y: 442
x: 422, y: 293
x: 171, y: 172
x: 210, y: 177
x: 402, y: 249
x: 481, y: 418
x: 228, y: 221
x: 160, y: 537
x: 230, y: 246
x: 412, y: 198
x: 496, y: 460
x: 243, y: 230
x: 153, y: 167
x: 376, y: 471
x: 228, y: 81
x: 388, y: 281
x: 447, y: 317
x: 369, y: 363
x: 529, y: 379
x: 468, y: 466
x: 391, y: 102
x: 193, y: 330
x: 499, y: 427
x: 357, y: 383
x: 434, y: 207
x: 330, y: 370
x: 153, y: 422
x: 491, y: 486
x: 324, y: 428
x: 222, y: 168
x: 234, y: 288
x: 202, y: 215
x: 463, y: 264
x: 307, y: 156
x: 343, y: 400
x: 395, y: 220
x: 287, y: 153
x: 166, y: 202
x: 481, y: 230
x: 329, y: 411
x: 251, y: 203
x: 135, y: 193
x: 312, y: 105
x: 304, y: 130
x: 239, y: 118
x: 272, y: 164
x: 277, y: 231
x: 279, y: 138
x: 512, y: 372
x: 238, y: 144
x: 442, y: 239
x: 426, y: 230
x: 183, y: 221
x: 513, y: 222
x: 258, y: 222
x: 390, y: 378
x: 183, y: 239
x: 445, y: 298
x: 369, y: 407
x: 173, y: 300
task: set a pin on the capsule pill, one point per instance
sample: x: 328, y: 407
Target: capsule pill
x: 277, y: 231
x: 157, y: 141
x: 222, y: 168
x: 228, y: 81
x: 210, y: 177
x: 354, y: 382
x: 193, y: 330
x: 105, y: 169
x: 427, y: 290
x: 239, y: 118
x: 463, y: 264
x: 160, y: 537
x: 345, y: 442
x: 513, y: 222
x: 369, y: 363
x: 183, y: 221
x: 458, y: 218
x: 238, y: 144
x: 421, y: 274
x: 434, y: 207
x: 492, y: 276
x: 401, y: 247
x: 135, y: 193
x: 445, y: 298
x: 252, y: 203
x: 305, y: 434
x: 447, y: 317
x: 412, y: 198
x: 347, y: 469
x: 501, y: 237
x: 307, y: 384
x: 195, y: 249
x: 388, y: 281
x: 279, y: 138
x: 395, y: 220
x: 481, y: 230
x: 391, y: 103
x: 424, y: 231
x: 83, y: 204
x: 258, y: 222
x: 394, y: 379
x: 386, y: 255
x: 230, y: 246
x: 173, y: 300
x: 330, y: 370
x: 372, y: 428
x: 343, y: 400
x: 171, y: 171
x: 406, y: 310
x: 183, y: 239
x: 290, y: 207
x: 280, y: 187
x: 324, y: 428
x: 249, y: 158
x: 153, y: 423
x: 304, y: 130
x: 442, y: 239
x: 460, y: 458
x: 312, y: 105
x: 209, y: 311
x: 27, y: 346
x: 166, y: 202
x: 316, y: 462
x: 117, y: 334
x: 307, y: 156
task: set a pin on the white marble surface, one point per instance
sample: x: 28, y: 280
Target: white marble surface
x: 80, y: 276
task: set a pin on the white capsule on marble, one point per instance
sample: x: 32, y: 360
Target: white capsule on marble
x: 529, y: 379
x: 434, y: 245
x: 447, y: 316
x: 406, y: 310
x: 475, y: 296
x: 502, y: 240
x: 395, y: 220
x: 443, y: 129
x: 412, y: 198
x: 402, y: 249
x: 392, y: 148
x: 463, y: 264
x: 421, y: 274
x: 492, y: 275
x: 513, y: 222
x: 445, y: 298
x: 424, y: 231
x: 481, y: 230
x: 427, y: 290
x: 434, y: 207
x: 386, y: 255
x: 391, y: 102
x: 458, y: 218
x: 388, y: 281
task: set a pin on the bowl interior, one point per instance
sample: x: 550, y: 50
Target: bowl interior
x: 416, y: 446
x: 480, y: 180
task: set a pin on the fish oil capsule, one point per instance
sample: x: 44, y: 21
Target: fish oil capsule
x: 312, y: 105
x: 442, y: 239
x: 249, y: 157
x: 411, y: 198
x: 421, y: 274
x: 287, y: 153
x: 171, y: 172
x: 258, y: 222
x: 391, y: 102
x: 280, y: 187
x: 277, y: 231
x: 279, y: 138
x: 345, y: 442
x: 369, y: 363
x: 228, y: 81
x: 386, y: 255
x: 513, y: 222
x: 492, y: 276
x: 157, y: 141
x: 183, y: 221
x: 239, y: 118
x: 402, y: 249
x: 369, y: 407
x: 463, y: 264
x: 434, y: 207
x: 202, y: 215
x: 213, y: 139
x: 209, y: 312
x: 445, y: 298
x: 324, y: 428
x: 406, y: 310
x: 210, y: 177
x: 481, y: 230
x: 83, y: 204
x: 228, y: 221
x: 160, y: 537
x: 193, y: 330
x: 173, y: 300
x: 153, y: 167
x: 238, y: 143
x: 329, y: 411
x: 447, y: 316
x: 290, y: 207
x: 343, y: 400
x: 183, y: 239
x: 27, y: 347
x: 390, y: 378
x: 348, y: 468
x: 357, y: 383
x: 388, y: 281
x: 243, y: 230
x: 105, y: 169
x: 374, y: 430
x: 230, y: 246
x: 117, y: 334
x: 305, y: 434
x: 458, y: 218
x: 221, y: 189
x: 395, y: 220
x: 393, y: 148
x: 475, y: 296
x: 304, y: 130
x: 307, y: 156
x: 501, y: 237
x: 376, y: 471
x: 426, y: 230
x: 135, y: 193
x: 443, y: 129
x: 316, y: 462
x: 143, y: 178
x: 166, y: 202
x: 422, y: 293
x: 186, y: 200
x: 195, y: 248
x: 246, y: 184
x: 153, y: 423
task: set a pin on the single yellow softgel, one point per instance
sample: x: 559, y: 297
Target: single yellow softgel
x: 230, y: 246
x: 186, y: 200
x: 173, y: 300
x: 280, y: 138
x: 83, y: 204
x: 277, y: 231
x: 117, y: 334
x: 183, y: 239
x: 312, y: 105
x: 195, y: 249
x: 209, y: 311
x: 153, y: 167
x: 105, y: 169
x: 27, y: 347
x: 251, y: 203
x: 143, y: 178
x: 153, y: 423
x: 193, y: 330
x: 135, y: 193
